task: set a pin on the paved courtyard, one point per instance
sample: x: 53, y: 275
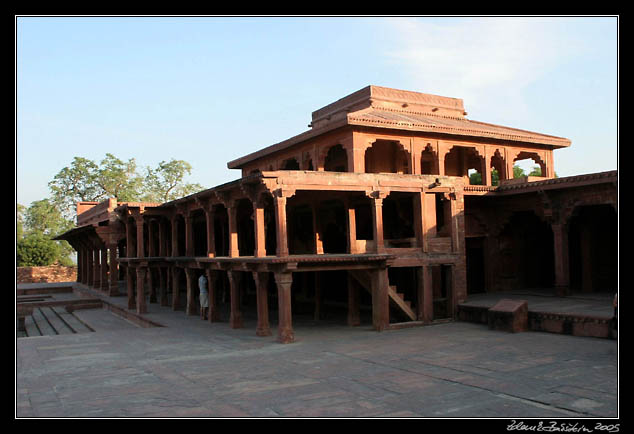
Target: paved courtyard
x: 192, y: 368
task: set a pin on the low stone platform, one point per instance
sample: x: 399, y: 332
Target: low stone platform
x: 578, y: 314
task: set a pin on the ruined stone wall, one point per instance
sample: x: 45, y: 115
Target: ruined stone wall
x: 52, y: 273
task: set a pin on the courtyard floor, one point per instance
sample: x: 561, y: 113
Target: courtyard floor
x: 193, y: 368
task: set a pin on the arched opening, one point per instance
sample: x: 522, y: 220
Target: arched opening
x: 221, y: 230
x: 290, y: 164
x: 528, y: 164
x: 462, y: 161
x: 428, y: 162
x: 593, y: 249
x: 336, y: 159
x: 498, y: 168
x: 386, y: 157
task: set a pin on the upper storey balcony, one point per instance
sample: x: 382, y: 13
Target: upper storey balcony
x: 382, y: 130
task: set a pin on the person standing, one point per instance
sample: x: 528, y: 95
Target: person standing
x: 204, y: 296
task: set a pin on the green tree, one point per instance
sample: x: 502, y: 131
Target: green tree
x: 43, y: 221
x: 518, y: 172
x: 73, y: 184
x: 165, y: 183
x: 35, y: 250
x: 86, y: 180
x: 119, y: 179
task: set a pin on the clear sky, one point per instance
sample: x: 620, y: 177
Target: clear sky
x: 208, y: 90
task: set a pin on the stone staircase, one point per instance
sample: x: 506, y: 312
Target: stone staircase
x: 397, y: 299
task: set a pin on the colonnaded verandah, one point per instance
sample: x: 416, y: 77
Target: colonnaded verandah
x: 371, y: 208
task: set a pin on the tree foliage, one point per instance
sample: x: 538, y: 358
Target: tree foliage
x: 86, y: 180
x: 35, y: 250
x: 165, y: 183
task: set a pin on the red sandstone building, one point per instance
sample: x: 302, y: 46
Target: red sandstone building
x: 370, y: 210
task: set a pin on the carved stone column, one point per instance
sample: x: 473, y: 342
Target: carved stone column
x: 130, y: 276
x: 279, y: 200
x: 380, y: 299
x: 258, y: 226
x: 562, y: 267
x: 261, y: 287
x: 114, y: 270
x: 352, y: 229
x: 285, y: 334
x: 141, y: 306
x: 377, y: 220
x: 235, y: 318
x: 104, y: 269
x: 175, y: 288
x: 211, y: 234
x: 192, y: 285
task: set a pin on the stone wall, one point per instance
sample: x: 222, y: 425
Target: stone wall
x: 52, y: 273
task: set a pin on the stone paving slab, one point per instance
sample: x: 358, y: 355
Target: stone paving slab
x: 192, y: 368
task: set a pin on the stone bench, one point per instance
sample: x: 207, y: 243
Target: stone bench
x: 509, y: 315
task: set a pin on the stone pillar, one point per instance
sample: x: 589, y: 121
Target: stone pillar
x: 258, y: 226
x: 189, y: 235
x: 235, y: 318
x: 280, y: 224
x: 192, y: 285
x: 420, y: 223
x: 104, y: 269
x: 211, y: 234
x: 89, y: 267
x: 425, y: 305
x: 214, y: 312
x: 562, y: 267
x: 232, y: 211
x: 114, y: 270
x: 455, y: 209
x: 352, y: 230
x: 175, y: 222
x: 486, y: 170
x: 96, y: 270
x: 175, y: 288
x: 319, y: 245
x: 141, y: 306
x: 261, y: 287
x: 161, y: 238
x: 354, y: 314
x: 380, y: 299
x: 285, y: 334
x: 81, y: 265
x: 130, y: 251
x: 140, y: 242
x: 377, y: 220
x: 130, y: 276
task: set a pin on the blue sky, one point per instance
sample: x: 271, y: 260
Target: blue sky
x: 211, y: 89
